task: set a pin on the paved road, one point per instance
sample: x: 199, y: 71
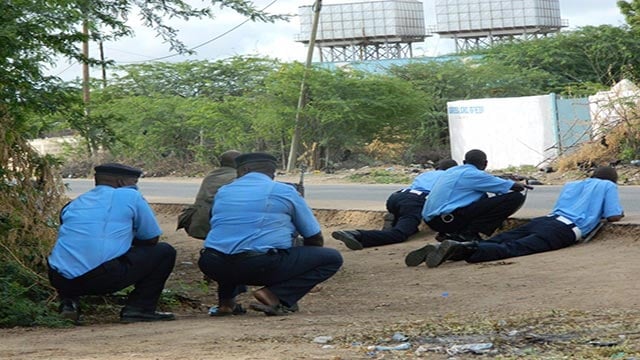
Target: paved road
x: 352, y: 196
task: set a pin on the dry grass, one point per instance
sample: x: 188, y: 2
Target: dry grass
x: 31, y: 196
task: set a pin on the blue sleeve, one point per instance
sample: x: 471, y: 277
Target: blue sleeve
x: 482, y: 181
x: 612, y: 206
x: 303, y: 219
x: 145, y: 225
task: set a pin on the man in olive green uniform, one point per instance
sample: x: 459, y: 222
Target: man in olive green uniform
x: 195, y: 218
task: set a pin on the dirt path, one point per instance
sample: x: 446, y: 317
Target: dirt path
x: 579, y: 300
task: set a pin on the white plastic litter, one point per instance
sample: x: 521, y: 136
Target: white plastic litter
x: 322, y: 339
x: 403, y: 346
x: 478, y: 348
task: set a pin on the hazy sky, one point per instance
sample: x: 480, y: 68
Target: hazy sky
x: 276, y: 40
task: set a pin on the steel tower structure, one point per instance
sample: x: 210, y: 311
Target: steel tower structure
x: 368, y: 30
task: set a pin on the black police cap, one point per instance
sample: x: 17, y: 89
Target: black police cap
x: 117, y: 169
x: 256, y: 157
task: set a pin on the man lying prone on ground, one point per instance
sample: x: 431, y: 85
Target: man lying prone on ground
x: 581, y: 205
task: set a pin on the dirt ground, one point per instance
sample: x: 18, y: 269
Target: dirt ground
x: 579, y: 302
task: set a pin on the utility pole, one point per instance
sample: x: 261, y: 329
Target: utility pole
x: 102, y: 65
x: 85, y: 66
x: 295, y: 140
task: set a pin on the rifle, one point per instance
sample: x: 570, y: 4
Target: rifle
x: 593, y: 233
x: 299, y: 186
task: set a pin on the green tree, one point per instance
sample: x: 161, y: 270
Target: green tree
x: 592, y: 57
x: 631, y: 12
x: 345, y: 109
x: 214, y: 80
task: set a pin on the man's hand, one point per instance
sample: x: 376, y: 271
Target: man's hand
x: 615, y: 218
x: 315, y: 240
x: 518, y: 186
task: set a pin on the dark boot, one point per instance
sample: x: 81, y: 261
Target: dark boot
x: 349, y: 238
x: 70, y: 309
x: 451, y: 250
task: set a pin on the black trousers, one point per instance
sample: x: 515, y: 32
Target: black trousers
x: 407, y: 209
x: 289, y: 273
x: 483, y: 216
x: 146, y: 267
x: 539, y: 235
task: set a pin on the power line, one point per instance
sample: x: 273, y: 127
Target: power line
x: 172, y: 55
x: 65, y: 69
x: 204, y: 43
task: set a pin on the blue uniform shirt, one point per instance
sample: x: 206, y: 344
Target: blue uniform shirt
x: 255, y: 213
x: 587, y: 201
x: 425, y: 181
x: 99, y: 226
x: 460, y: 186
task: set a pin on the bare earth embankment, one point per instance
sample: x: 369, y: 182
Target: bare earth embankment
x: 582, y: 301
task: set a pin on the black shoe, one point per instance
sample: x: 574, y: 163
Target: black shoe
x: 417, y: 257
x: 70, y: 309
x: 348, y: 237
x: 451, y: 250
x: 131, y: 315
x: 273, y: 310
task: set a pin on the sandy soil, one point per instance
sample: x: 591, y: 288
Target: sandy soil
x: 582, y: 301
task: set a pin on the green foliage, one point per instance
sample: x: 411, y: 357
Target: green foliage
x: 631, y: 12
x: 30, y: 195
x: 381, y: 177
x: 23, y: 298
x: 235, y: 76
x: 163, y: 113
x: 577, y: 59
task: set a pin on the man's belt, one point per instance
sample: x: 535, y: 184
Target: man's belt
x: 237, y: 256
x: 416, y: 192
x: 574, y: 227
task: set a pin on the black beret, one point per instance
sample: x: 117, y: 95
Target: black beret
x: 255, y: 157
x: 117, y: 169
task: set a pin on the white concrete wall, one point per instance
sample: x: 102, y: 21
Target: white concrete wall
x: 54, y: 145
x: 511, y: 131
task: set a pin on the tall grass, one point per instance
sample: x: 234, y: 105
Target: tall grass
x: 31, y: 195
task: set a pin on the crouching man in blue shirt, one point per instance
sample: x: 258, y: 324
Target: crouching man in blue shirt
x: 107, y: 241
x: 254, y: 220
x: 580, y: 207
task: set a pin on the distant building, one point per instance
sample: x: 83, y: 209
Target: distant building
x: 55, y: 145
